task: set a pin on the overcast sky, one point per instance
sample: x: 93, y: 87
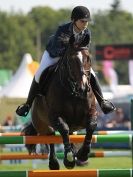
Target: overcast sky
x: 93, y: 5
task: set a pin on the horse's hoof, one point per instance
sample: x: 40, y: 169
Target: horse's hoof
x: 54, y: 164
x: 83, y: 154
x: 69, y: 160
x: 69, y: 165
x: 81, y: 163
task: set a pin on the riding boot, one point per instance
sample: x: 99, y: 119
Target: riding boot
x: 23, y: 109
x: 105, y: 105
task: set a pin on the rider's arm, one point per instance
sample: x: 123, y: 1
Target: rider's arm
x: 57, y: 44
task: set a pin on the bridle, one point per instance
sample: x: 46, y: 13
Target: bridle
x: 69, y: 83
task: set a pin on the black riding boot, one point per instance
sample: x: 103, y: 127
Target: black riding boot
x: 105, y: 105
x: 23, y: 109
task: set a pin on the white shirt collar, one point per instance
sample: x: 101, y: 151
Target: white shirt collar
x: 75, y: 33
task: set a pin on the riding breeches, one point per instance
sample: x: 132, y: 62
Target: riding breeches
x: 47, y: 61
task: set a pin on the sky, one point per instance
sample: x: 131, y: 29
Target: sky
x: 93, y: 5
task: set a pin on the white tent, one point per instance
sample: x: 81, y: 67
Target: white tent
x: 19, y: 85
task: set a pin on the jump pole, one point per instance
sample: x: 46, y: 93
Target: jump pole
x: 8, y: 130
x: 20, y: 156
x: 110, y: 132
x: 60, y: 155
x: 58, y: 139
x: 69, y: 173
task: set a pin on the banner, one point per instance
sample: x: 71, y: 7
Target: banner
x: 114, y: 52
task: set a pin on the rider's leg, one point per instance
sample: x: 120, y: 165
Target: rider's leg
x: 105, y: 105
x: 24, y: 108
x: 34, y: 89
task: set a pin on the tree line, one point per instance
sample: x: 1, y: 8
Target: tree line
x: 21, y: 33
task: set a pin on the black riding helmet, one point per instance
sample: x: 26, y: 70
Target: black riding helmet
x: 80, y: 12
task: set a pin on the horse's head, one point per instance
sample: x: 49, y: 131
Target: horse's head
x: 76, y: 67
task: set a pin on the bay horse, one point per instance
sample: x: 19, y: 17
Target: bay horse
x: 67, y: 105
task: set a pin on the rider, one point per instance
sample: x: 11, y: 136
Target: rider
x: 80, y: 18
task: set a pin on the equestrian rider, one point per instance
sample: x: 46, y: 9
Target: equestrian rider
x: 80, y: 18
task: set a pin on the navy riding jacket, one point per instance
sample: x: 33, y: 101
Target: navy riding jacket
x: 59, y: 41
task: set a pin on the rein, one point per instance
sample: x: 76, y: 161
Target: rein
x: 69, y: 83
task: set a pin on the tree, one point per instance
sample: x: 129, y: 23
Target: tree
x: 46, y: 22
x: 115, y: 6
x: 15, y: 40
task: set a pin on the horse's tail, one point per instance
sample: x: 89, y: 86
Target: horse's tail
x: 29, y: 130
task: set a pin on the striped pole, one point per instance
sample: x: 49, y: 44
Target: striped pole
x: 113, y: 132
x: 12, y: 134
x: 69, y: 173
x: 110, y: 132
x: 60, y: 155
x: 20, y: 156
x: 75, y: 133
x: 58, y: 139
x: 9, y: 130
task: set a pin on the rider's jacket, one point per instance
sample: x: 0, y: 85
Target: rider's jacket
x: 59, y: 41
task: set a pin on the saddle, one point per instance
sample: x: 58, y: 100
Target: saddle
x: 46, y: 78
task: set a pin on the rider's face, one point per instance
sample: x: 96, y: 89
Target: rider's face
x: 81, y: 24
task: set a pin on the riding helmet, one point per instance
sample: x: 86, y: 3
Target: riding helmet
x: 80, y: 12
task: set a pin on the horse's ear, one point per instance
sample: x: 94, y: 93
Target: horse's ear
x: 86, y: 41
x: 72, y: 39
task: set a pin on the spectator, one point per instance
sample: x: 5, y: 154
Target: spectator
x: 118, y: 120
x: 8, y: 121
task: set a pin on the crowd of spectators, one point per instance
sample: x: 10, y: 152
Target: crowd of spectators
x: 116, y: 120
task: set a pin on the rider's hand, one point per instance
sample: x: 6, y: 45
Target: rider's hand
x: 85, y: 53
x: 86, y: 59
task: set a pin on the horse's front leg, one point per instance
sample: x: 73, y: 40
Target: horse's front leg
x: 83, y: 153
x: 62, y: 127
x: 53, y: 161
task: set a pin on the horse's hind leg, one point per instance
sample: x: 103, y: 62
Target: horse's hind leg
x: 53, y: 162
x: 62, y: 127
x: 29, y: 130
x: 83, y: 153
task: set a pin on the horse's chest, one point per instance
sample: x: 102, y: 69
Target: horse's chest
x: 76, y: 110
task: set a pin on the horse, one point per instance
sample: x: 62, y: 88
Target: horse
x: 67, y: 105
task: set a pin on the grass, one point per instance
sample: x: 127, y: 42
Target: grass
x: 94, y: 163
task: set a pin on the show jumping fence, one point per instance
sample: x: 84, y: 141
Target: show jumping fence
x: 8, y: 139
x: 60, y: 155
x: 17, y: 139
x: 120, y: 138
x: 70, y: 173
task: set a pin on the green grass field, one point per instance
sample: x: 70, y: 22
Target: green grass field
x: 94, y: 163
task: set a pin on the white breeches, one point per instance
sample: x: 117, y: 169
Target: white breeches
x: 47, y: 61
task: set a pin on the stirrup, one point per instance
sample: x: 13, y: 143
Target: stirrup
x: 23, y: 110
x: 107, y: 106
